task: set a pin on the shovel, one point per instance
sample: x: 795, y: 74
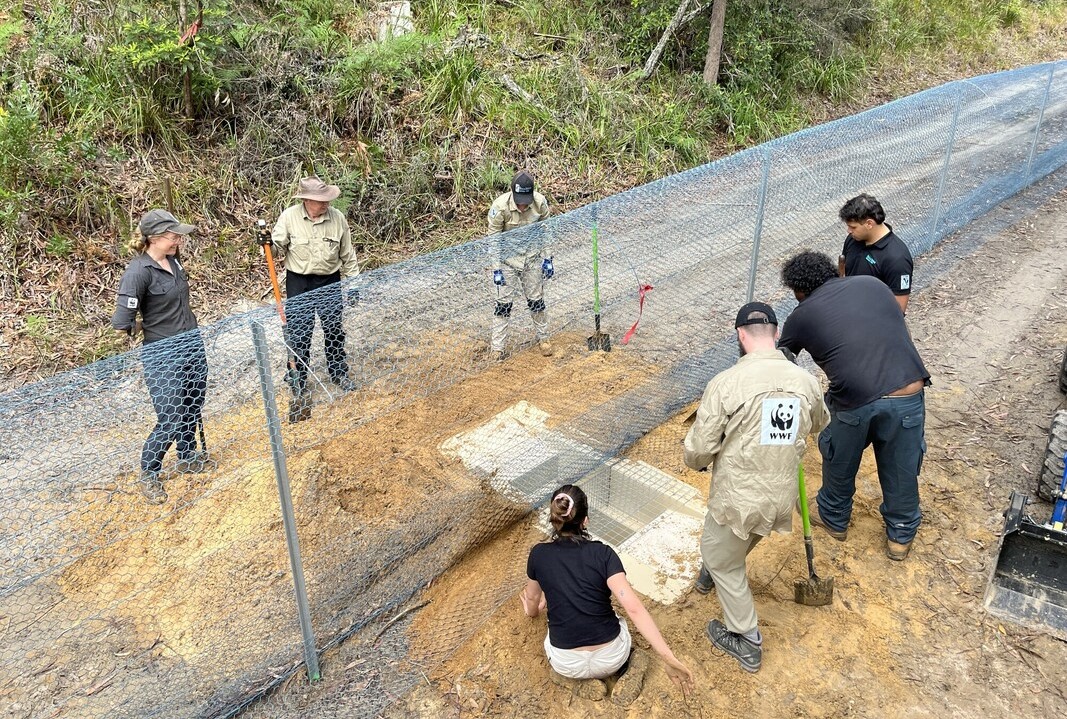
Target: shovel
x: 814, y: 592
x: 300, y: 402
x: 600, y: 340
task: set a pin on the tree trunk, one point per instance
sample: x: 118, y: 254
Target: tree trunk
x: 187, y: 79
x: 711, y: 62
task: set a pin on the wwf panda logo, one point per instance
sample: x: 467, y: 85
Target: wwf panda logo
x: 782, y: 417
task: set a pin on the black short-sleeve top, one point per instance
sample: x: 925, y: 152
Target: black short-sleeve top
x: 574, y: 577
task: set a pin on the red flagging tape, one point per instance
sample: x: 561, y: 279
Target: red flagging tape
x: 642, y: 290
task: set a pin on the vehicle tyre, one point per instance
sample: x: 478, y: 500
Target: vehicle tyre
x: 1052, y: 467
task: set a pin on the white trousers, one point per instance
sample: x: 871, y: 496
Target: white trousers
x: 597, y: 664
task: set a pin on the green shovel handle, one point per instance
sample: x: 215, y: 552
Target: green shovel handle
x: 596, y: 273
x: 803, y: 501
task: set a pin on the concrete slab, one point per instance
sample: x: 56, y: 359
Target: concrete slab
x: 650, y: 517
x: 663, y: 559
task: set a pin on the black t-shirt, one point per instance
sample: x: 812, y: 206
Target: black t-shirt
x: 888, y: 259
x: 574, y: 577
x: 854, y: 330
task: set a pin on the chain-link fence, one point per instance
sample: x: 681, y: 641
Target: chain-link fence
x: 154, y: 578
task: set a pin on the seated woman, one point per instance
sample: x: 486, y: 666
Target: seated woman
x: 577, y: 576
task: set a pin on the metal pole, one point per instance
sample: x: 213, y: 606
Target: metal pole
x: 932, y: 236
x: 277, y: 450
x: 759, y: 223
x: 1040, y: 119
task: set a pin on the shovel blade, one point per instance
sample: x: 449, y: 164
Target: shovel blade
x: 1029, y: 583
x: 599, y: 342
x: 813, y: 591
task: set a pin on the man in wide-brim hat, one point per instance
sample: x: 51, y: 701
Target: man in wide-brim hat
x: 314, y: 241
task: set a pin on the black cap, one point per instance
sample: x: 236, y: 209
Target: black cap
x: 744, y: 312
x: 522, y: 188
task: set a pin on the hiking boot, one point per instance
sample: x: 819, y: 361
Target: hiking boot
x: 152, y: 488
x: 593, y: 690
x: 896, y: 551
x: 704, y: 583
x: 749, y: 655
x: 300, y: 406
x: 546, y: 348
x: 631, y: 679
x: 345, y: 383
x: 195, y: 463
x: 816, y: 520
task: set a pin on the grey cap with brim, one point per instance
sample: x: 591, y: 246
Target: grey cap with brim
x: 156, y: 222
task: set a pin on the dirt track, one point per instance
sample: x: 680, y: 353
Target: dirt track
x: 900, y: 640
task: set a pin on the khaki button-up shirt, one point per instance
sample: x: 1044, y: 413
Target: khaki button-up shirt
x: 750, y: 429
x: 314, y: 247
x: 504, y: 215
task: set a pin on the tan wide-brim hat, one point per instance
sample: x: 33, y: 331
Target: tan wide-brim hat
x: 312, y: 188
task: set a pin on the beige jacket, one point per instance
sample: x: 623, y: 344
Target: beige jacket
x: 750, y: 429
x: 319, y: 247
x: 504, y: 215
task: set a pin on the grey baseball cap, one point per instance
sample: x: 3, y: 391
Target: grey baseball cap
x: 156, y: 222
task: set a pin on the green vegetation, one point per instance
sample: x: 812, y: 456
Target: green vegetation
x: 103, y: 101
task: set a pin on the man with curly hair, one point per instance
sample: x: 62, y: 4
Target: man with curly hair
x: 854, y: 330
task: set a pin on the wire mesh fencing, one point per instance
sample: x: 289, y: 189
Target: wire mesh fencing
x: 149, y: 565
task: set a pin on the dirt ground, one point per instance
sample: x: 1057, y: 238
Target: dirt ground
x: 363, y: 492
x: 906, y: 639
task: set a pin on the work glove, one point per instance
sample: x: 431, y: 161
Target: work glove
x: 547, y: 270
x: 351, y: 297
x: 263, y: 234
x: 498, y: 278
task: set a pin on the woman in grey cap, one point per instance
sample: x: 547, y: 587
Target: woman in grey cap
x: 156, y: 286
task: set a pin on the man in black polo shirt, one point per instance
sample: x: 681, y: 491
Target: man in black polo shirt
x: 854, y: 330
x: 871, y: 248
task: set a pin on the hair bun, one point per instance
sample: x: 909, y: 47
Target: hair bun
x: 564, y: 504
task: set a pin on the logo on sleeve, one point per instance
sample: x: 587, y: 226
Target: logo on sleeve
x: 905, y: 282
x: 780, y: 421
x: 131, y: 303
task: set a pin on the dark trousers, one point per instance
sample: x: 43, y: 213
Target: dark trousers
x: 308, y: 296
x: 175, y: 372
x: 896, y: 428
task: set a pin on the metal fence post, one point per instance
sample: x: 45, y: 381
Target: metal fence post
x: 932, y: 236
x: 1040, y: 119
x: 311, y: 657
x: 759, y: 223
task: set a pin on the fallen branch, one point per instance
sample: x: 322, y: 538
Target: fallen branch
x: 672, y: 27
x: 514, y: 88
x: 397, y: 618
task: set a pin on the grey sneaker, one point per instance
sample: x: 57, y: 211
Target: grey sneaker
x: 749, y: 655
x: 195, y: 463
x: 704, y: 583
x: 152, y: 488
